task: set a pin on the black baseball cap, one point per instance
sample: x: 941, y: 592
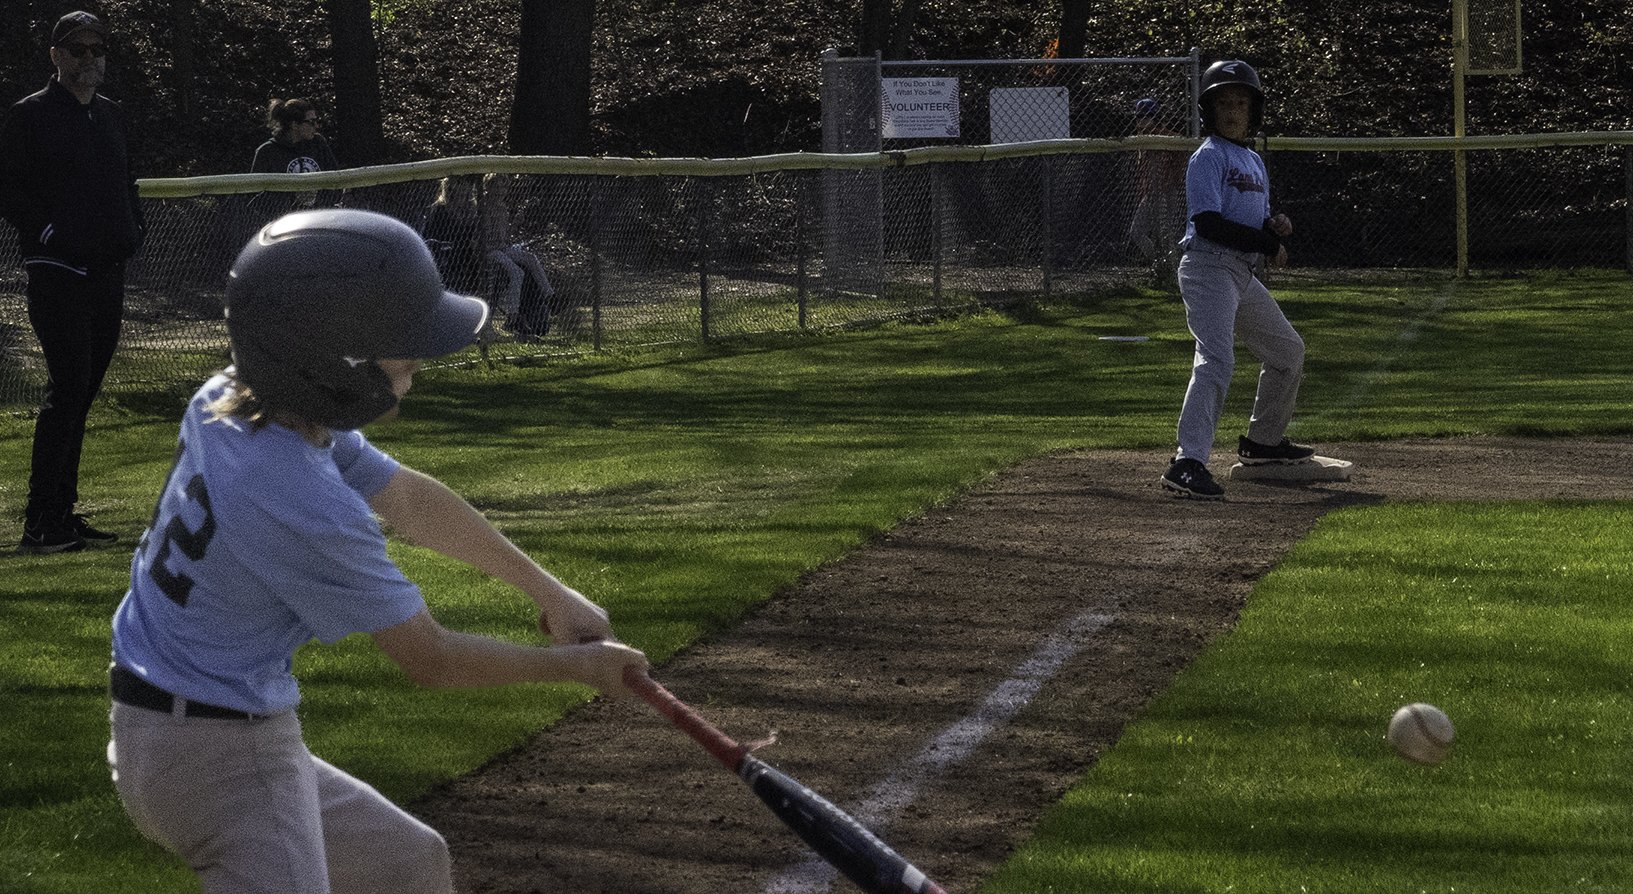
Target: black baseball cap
x: 73, y: 23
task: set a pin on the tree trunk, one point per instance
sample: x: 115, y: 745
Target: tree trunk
x: 551, y: 113
x: 902, y: 31
x: 358, y: 132
x: 874, y: 31
x: 182, y: 56
x: 1074, y: 26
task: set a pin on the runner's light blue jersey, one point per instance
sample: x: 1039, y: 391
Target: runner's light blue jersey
x: 260, y: 542
x: 1228, y: 178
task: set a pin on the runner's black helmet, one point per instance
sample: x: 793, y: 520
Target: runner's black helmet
x: 1225, y: 73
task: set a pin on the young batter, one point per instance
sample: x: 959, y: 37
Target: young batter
x: 265, y: 537
x: 1231, y: 233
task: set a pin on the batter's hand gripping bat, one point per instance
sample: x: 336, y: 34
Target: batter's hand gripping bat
x: 832, y: 833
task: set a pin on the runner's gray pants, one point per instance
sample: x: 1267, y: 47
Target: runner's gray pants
x: 1224, y: 299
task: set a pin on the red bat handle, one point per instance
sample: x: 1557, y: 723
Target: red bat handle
x: 723, y: 747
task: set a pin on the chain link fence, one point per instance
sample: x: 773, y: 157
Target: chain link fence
x: 1537, y: 201
x: 651, y: 251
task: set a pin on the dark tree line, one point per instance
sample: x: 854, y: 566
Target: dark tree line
x: 398, y: 80
x: 550, y: 113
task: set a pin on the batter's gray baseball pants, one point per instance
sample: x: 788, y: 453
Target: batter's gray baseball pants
x: 1224, y: 299
x: 252, y: 811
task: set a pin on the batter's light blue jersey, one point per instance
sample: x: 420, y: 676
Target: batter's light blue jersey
x: 260, y: 542
x: 1228, y: 178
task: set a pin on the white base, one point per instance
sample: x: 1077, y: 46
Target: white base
x: 1316, y: 468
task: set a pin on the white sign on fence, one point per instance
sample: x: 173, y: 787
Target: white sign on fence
x: 918, y: 107
x: 1027, y: 114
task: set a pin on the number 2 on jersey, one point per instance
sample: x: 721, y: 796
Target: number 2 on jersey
x: 190, y: 542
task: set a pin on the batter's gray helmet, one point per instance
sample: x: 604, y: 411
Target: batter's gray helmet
x: 316, y: 297
x: 1226, y: 73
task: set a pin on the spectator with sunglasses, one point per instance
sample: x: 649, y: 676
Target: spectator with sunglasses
x: 296, y: 146
x: 66, y: 184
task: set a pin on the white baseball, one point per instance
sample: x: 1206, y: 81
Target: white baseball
x: 1421, y: 734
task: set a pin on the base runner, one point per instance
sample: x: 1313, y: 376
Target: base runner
x: 1230, y: 235
x: 266, y: 537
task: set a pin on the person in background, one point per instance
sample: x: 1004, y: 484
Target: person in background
x: 1159, y: 187
x: 453, y: 232
x: 469, y: 228
x: 66, y: 184
x: 296, y: 146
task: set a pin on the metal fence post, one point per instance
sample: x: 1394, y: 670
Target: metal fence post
x: 595, y: 280
x: 1194, y: 76
x: 853, y: 200
x: 1048, y: 224
x: 801, y: 251
x: 935, y: 234
x: 703, y: 254
x: 1460, y: 164
x: 1627, y: 169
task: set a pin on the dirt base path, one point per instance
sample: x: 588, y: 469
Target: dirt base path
x: 1075, y: 563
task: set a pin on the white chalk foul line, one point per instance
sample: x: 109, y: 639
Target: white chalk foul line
x: 1385, y: 364
x: 886, y: 801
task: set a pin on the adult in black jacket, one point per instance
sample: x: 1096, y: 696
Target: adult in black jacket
x: 66, y: 184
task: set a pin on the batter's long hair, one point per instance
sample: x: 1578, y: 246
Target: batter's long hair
x: 240, y: 402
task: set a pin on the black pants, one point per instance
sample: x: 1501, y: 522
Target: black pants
x: 76, y: 319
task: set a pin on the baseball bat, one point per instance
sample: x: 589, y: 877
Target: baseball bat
x: 835, y: 836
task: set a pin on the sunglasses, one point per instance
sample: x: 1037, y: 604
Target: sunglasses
x: 81, y: 50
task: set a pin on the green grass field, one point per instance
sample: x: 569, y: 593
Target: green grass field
x: 1264, y: 768
x: 679, y: 488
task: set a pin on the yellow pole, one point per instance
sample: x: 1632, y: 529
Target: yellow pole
x: 1460, y: 64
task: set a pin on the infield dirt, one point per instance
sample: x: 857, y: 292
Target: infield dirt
x: 864, y: 661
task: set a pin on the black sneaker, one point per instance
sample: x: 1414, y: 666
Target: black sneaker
x: 1191, y: 479
x: 1253, y: 453
x: 42, y: 537
x: 92, y: 536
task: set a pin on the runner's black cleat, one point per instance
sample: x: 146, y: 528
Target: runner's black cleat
x: 1190, y: 479
x: 1251, y: 452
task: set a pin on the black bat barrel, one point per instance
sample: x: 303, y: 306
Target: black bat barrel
x: 845, y: 843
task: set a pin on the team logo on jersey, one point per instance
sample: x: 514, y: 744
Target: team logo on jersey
x: 1244, y: 181
x: 303, y: 165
